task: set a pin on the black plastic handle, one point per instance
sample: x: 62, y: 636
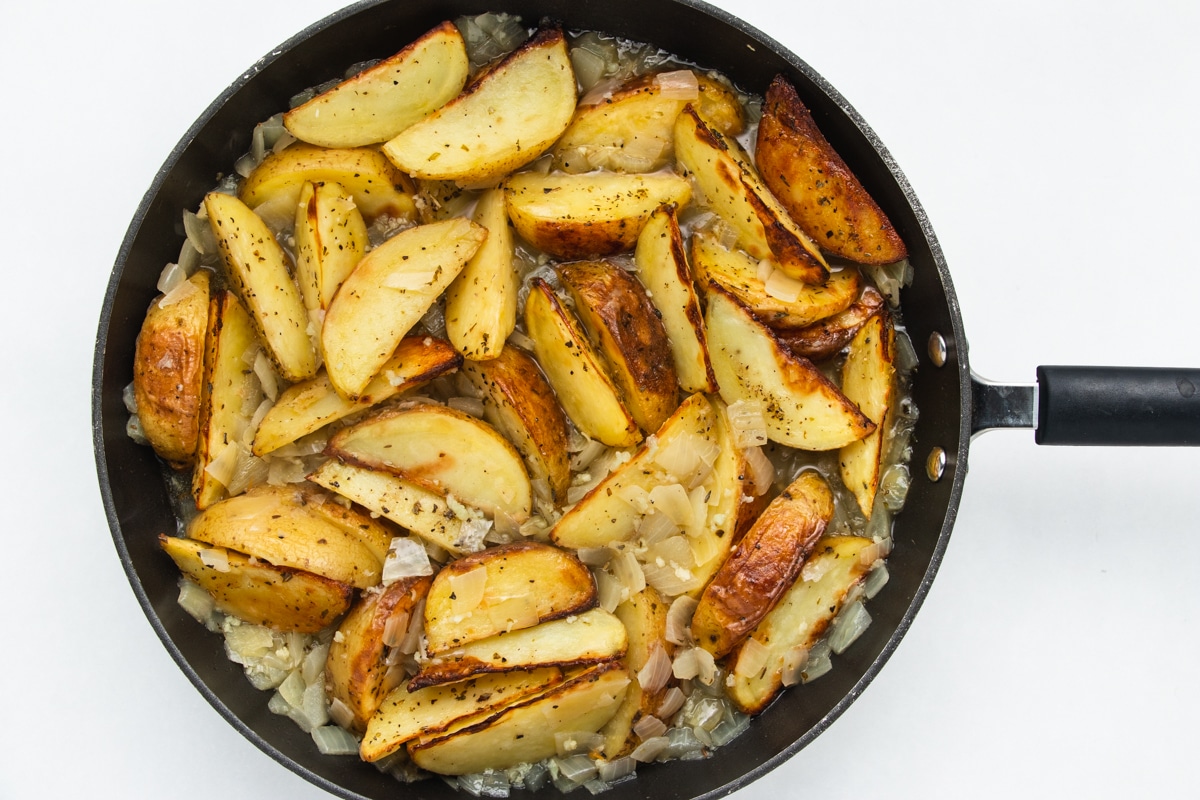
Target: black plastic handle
x: 1118, y: 406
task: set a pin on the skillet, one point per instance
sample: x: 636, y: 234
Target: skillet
x: 946, y: 393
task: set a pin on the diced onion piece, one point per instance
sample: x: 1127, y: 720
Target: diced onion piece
x: 178, y: 293
x: 765, y: 267
x: 520, y: 340
x: 733, y: 726
x: 594, y: 556
x: 688, y: 459
x: 672, y: 499
x: 655, y: 527
x: 650, y: 749
x: 334, y: 741
x: 873, y: 552
x: 657, y: 671
x: 570, y: 743
x: 409, y: 281
x: 818, y: 663
x: 695, y: 662
x: 893, y: 487
x: 877, y: 578
x: 649, y: 727
x: 250, y: 470
x: 762, y: 471
x: 466, y: 590
x: 679, y: 620
x: 514, y: 613
x: 626, y: 569
x: 266, y: 375
x: 681, y: 84
x: 749, y: 423
x: 395, y: 629
x: 752, y: 658
x: 576, y: 768
x: 222, y: 467
x: 171, y: 277
x: 637, y: 497
x: 794, y: 661
x: 340, y: 713
x: 609, y: 771
x: 196, y: 601
x: 783, y: 287
x: 589, y: 452
x: 313, y: 667
x: 850, y: 623
x: 472, y: 406
x: 671, y: 702
x: 214, y: 559
x: 609, y: 591
x: 416, y: 629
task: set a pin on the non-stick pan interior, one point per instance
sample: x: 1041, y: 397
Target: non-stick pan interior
x: 131, y: 479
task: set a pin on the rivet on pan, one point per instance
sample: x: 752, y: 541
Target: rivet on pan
x: 935, y: 465
x: 937, y: 349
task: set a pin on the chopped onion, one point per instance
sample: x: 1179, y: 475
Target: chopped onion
x: 874, y: 552
x: 591, y: 450
x: 819, y: 662
x: 695, y: 662
x: 196, y: 601
x: 570, y: 743
x: 171, y: 277
x: 266, y: 375
x: 672, y: 499
x: 752, y: 658
x: 794, y: 661
x: 649, y: 727
x: 762, y: 471
x: 680, y: 84
x: 877, y: 578
x: 199, y: 233
x: 222, y: 467
x: 733, y: 726
x: 655, y: 527
x: 472, y: 406
x: 576, y: 769
x: 520, y: 340
x: 395, y: 629
x: 783, y: 287
x: 334, y: 741
x: 671, y: 702
x: 765, y: 267
x: 626, y: 569
x: 749, y: 423
x: 216, y: 558
x: 893, y: 487
x: 650, y: 749
x: 609, y: 771
x: 178, y: 293
x: 636, y: 496
x: 340, y: 713
x: 313, y: 666
x: 609, y: 591
x: 416, y: 629
x: 292, y: 689
x: 850, y: 623
x: 679, y: 620
x: 594, y: 556
x: 656, y: 672
x: 466, y: 590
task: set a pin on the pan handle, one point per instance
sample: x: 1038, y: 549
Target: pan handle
x: 1095, y: 406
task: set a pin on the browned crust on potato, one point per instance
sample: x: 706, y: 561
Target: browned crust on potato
x: 829, y: 336
x: 817, y: 187
x: 763, y: 565
x: 620, y: 318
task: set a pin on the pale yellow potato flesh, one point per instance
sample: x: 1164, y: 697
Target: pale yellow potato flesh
x: 732, y: 189
x: 663, y: 268
x: 306, y: 407
x: 536, y: 582
x: 867, y: 379
x: 404, y: 715
x: 224, y: 390
x: 282, y: 598
x: 445, y: 451
x: 290, y: 526
x: 803, y: 408
x: 800, y: 619
x: 500, y: 122
x: 387, y: 294
x: 596, y: 214
x: 259, y: 271
x: 481, y: 303
x: 644, y: 616
x: 331, y: 238
x: 526, y: 732
x: 384, y: 99
x: 574, y: 369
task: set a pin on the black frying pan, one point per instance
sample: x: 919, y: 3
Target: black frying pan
x: 953, y: 405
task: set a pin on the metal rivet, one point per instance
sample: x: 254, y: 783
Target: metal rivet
x: 937, y: 349
x: 935, y: 465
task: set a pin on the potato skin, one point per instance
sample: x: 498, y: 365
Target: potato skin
x: 168, y: 371
x: 817, y: 187
x: 827, y: 337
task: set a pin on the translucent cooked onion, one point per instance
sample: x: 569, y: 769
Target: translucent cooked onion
x: 850, y: 623
x: 199, y: 233
x: 196, y: 601
x: 466, y: 590
x: 655, y: 527
x: 332, y: 740
x: 214, y: 559
x: 679, y: 84
x: 471, y: 406
x: 671, y: 702
x: 673, y: 500
x: 609, y: 591
x: 749, y: 422
x: 794, y: 661
x: 819, y: 662
x: 626, y: 569
x: 416, y: 629
x: 657, y: 671
x: 752, y: 658
x: 695, y: 662
x: 395, y: 629
x: 589, y: 451
x: 650, y: 749
x: 570, y: 743
x: 340, y: 713
x: 877, y: 578
x: 576, y: 769
x: 761, y: 470
x: 679, y: 620
x: 171, y: 277
x: 609, y: 771
x: 649, y: 727
x: 594, y: 556
x: 783, y: 287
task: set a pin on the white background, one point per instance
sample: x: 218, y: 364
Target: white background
x: 1054, y: 146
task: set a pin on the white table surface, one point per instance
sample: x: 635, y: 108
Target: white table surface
x: 1054, y: 146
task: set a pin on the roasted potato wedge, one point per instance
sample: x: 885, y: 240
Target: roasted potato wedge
x: 503, y: 589
x: 732, y: 189
x: 663, y: 269
x: 282, y: 598
x: 290, y: 526
x: 387, y: 294
x: 382, y: 100
x: 443, y: 450
x: 378, y: 188
x: 259, y: 271
x: 798, y: 621
x: 592, y: 637
x: 519, y: 402
x: 719, y: 106
x: 574, y: 369
x: 500, y: 122
x: 357, y: 669
x: 777, y: 300
x: 584, y: 216
x: 168, y: 369
x: 331, y: 238
x: 804, y: 409
x: 404, y: 715
x: 868, y: 380
x: 816, y: 185
x: 829, y: 336
x: 763, y: 565
x: 525, y: 732
x: 645, y: 618
x: 227, y: 383
x: 481, y: 303
x: 625, y: 329
x: 311, y: 405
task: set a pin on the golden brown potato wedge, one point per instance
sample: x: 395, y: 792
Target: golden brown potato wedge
x: 824, y: 339
x: 777, y: 300
x: 763, y: 565
x: 387, y: 294
x: 867, y: 379
x: 481, y: 303
x: 291, y: 526
x: 574, y: 369
x: 404, y: 715
x: 259, y: 271
x: 726, y: 502
x: 525, y: 732
x: 816, y: 186
x: 719, y: 106
x: 623, y: 325
x: 644, y: 615
x: 384, y: 99
x: 798, y: 621
x: 663, y: 269
x: 168, y: 369
x: 410, y: 506
x: 732, y: 189
x: 282, y: 598
x: 378, y: 188
x: 227, y: 383
x: 503, y: 589
x: 804, y: 409
x: 443, y: 450
x: 592, y: 637
x: 500, y: 122
x: 311, y: 405
x: 583, y: 216
x: 356, y: 669
x: 331, y: 238
x: 519, y: 402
